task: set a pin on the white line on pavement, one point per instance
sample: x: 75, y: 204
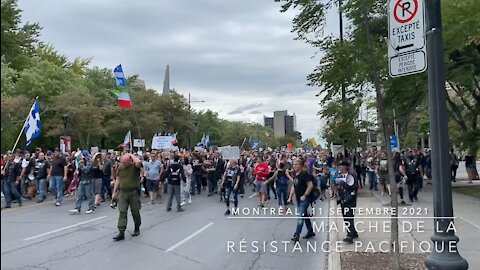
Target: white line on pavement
x: 253, y: 195
x: 469, y: 223
x: 189, y: 237
x: 64, y: 228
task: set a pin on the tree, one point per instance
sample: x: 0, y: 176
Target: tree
x: 17, y: 43
x: 9, y: 76
x: 46, y: 80
x: 83, y: 113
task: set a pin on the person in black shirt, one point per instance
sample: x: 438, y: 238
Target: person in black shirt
x: 231, y: 180
x: 197, y: 165
x: 210, y: 165
x: 41, y: 170
x: 175, y: 174
x: 220, y: 169
x: 97, y: 176
x: 413, y: 169
x: 12, y: 178
x: 347, y: 191
x: 302, y: 188
x: 107, y: 176
x: 58, y: 175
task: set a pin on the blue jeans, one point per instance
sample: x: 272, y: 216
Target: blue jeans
x: 56, y: 186
x: 42, y: 189
x: 11, y: 192
x: 229, y: 190
x: 85, y: 191
x: 196, y: 183
x: 212, y: 184
x: 303, y: 215
x: 106, y: 187
x: 282, y: 194
x: 372, y: 181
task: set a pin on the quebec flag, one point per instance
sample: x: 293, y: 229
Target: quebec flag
x: 119, y: 77
x: 33, y: 123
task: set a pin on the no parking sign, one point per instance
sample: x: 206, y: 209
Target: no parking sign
x: 406, y: 37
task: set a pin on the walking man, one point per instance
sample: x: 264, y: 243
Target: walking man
x: 58, y: 175
x: 347, y: 191
x: 128, y: 183
x: 175, y: 175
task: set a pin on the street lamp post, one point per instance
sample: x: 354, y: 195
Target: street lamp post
x: 444, y: 235
x: 190, y: 118
x: 65, y: 120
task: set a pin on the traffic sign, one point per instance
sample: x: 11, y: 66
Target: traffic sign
x: 407, y: 52
x: 394, y: 142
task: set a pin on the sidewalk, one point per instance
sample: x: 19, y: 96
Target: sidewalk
x: 414, y: 229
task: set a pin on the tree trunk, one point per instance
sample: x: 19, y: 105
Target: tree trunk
x: 386, y: 132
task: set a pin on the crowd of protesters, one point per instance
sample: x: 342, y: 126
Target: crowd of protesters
x: 286, y: 176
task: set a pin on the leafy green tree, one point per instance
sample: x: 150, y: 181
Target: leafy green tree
x: 9, y: 76
x: 47, y: 80
x: 18, y: 42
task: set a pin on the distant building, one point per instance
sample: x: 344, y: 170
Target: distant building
x: 139, y: 83
x: 281, y: 123
x: 166, y: 82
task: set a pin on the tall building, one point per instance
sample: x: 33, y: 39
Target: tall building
x: 281, y: 123
x: 166, y: 82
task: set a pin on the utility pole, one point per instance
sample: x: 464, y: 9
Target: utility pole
x: 190, y: 118
x: 344, y: 99
x: 444, y: 236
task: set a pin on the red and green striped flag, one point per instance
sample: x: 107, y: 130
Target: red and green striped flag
x: 122, y: 93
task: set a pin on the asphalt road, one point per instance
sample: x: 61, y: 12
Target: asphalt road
x: 42, y: 236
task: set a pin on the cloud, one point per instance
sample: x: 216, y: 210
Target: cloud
x: 242, y: 109
x: 231, y: 55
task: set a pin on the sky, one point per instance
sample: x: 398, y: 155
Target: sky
x: 240, y: 57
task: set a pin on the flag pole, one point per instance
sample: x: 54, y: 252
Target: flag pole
x: 24, y: 124
x: 243, y: 143
x: 131, y: 142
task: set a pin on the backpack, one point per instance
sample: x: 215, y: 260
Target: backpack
x: 412, y: 166
x: 175, y: 175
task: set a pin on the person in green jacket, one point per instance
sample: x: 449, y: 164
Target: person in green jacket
x: 128, y: 183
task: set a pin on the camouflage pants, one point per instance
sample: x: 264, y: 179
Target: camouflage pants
x: 126, y: 199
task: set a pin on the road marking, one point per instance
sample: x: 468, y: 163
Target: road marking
x: 189, y: 237
x: 64, y: 228
x: 470, y: 223
x: 253, y: 195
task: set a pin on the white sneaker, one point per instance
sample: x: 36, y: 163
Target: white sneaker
x: 74, y: 212
x: 183, y: 203
x: 89, y: 211
x: 58, y: 204
x: 190, y: 200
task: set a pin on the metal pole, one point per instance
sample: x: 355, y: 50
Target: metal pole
x: 444, y: 251
x: 344, y: 99
x: 190, y: 122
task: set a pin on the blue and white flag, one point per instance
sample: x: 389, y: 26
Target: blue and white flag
x: 33, y: 123
x: 119, y: 77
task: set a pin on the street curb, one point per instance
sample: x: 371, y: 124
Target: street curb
x: 334, y: 262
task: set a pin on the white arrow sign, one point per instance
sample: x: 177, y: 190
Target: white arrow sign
x: 406, y: 37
